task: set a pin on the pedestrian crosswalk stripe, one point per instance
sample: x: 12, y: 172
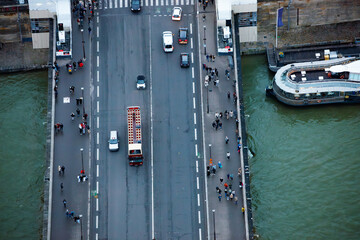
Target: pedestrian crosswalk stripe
x: 105, y: 4
x: 110, y: 4
x: 115, y: 3
x: 126, y: 3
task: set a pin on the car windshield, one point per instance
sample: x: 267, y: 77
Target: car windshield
x: 140, y: 81
x: 182, y: 34
x: 136, y: 2
x: 113, y: 141
x: 184, y: 58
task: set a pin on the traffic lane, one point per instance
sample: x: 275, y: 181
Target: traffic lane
x: 174, y: 152
x: 127, y: 188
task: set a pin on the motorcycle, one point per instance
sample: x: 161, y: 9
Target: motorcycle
x: 69, y: 68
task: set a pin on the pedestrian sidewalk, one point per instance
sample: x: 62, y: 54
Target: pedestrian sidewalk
x: 220, y: 98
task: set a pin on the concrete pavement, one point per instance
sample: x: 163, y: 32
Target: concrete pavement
x: 228, y: 216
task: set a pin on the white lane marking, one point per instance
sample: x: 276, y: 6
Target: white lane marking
x: 151, y: 2
x: 98, y: 75
x: 192, y: 57
x: 97, y: 103
x: 190, y: 28
x: 191, y: 41
x: 196, y: 150
x: 97, y: 122
x: 197, y: 166
x: 195, y: 133
x: 199, y: 217
x: 157, y: 3
x: 97, y: 19
x: 146, y: 2
x: 97, y: 138
x: 97, y: 46
x: 110, y: 5
x: 121, y: 3
x: 151, y: 138
x: 97, y: 91
x: 194, y: 105
x: 97, y: 30
x: 97, y: 187
x: 162, y: 2
x: 97, y: 204
x: 197, y: 182
x: 97, y: 221
x: 97, y: 154
x: 115, y: 4
x: 193, y: 87
x: 97, y: 236
x: 198, y: 197
x: 192, y: 72
x: 126, y: 3
x: 172, y: 2
x: 199, y: 233
x: 194, y: 118
x: 97, y: 61
x: 97, y: 170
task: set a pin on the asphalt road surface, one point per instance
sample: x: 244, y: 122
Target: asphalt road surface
x: 162, y: 198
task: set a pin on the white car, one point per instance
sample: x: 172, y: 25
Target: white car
x: 140, y: 82
x: 176, y: 14
x: 168, y: 41
x: 113, y: 141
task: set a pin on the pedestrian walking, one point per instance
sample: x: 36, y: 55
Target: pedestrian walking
x: 217, y: 189
x: 239, y: 172
x: 226, y: 185
x: 59, y: 169
x: 216, y: 72
x: 219, y: 164
x: 72, y: 213
x: 228, y: 155
x: 61, y: 186
x: 217, y: 81
x: 228, y: 94
x: 89, y: 29
x: 78, y: 112
x: 214, y: 124
x: 67, y: 213
x: 220, y: 115
x: 240, y: 185
x: 204, y: 66
x: 226, y: 192
x: 231, y: 196
x: 226, y: 140
x: 210, y: 56
x: 236, y: 200
x: 228, y: 176
x: 207, y: 56
x: 72, y: 116
x: 231, y: 176
x: 243, y: 210
x: 74, y: 65
x: 220, y: 125
x: 221, y: 180
x: 72, y: 89
x: 62, y: 170
x: 231, y: 114
x: 213, y: 58
x: 64, y: 202
x: 219, y: 196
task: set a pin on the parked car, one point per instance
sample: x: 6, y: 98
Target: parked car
x: 183, y: 36
x: 140, y: 82
x: 176, y: 14
x: 184, y: 60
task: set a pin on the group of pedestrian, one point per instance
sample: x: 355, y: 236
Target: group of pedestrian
x: 210, y: 58
x: 228, y: 191
x: 71, y: 215
x: 59, y: 127
x: 61, y: 170
x: 205, y: 3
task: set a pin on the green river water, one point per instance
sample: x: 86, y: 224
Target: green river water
x: 305, y: 170
x: 23, y: 106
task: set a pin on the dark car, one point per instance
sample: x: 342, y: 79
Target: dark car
x: 183, y: 36
x: 135, y: 5
x: 184, y: 60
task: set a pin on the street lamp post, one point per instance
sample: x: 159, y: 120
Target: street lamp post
x: 213, y: 211
x: 83, y: 102
x: 210, y: 149
x: 82, y: 160
x: 204, y: 40
x: 83, y: 43
x: 81, y: 231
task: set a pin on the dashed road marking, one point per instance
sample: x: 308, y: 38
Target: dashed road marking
x: 194, y: 118
x: 196, y: 150
x: 197, y: 166
x: 199, y: 233
x: 192, y: 72
x: 98, y: 104
x: 97, y: 187
x: 97, y: 61
x: 197, y: 182
x: 97, y: 204
x: 98, y: 75
x: 198, y: 198
x: 97, y: 154
x: 97, y: 91
x: 97, y: 236
x: 97, y: 46
x: 199, y: 217
x: 193, y: 84
x: 190, y: 28
x: 97, y: 138
x: 97, y: 19
x: 97, y: 170
x: 97, y: 30
x: 195, y: 133
x: 97, y: 122
x: 194, y: 105
x: 191, y: 43
x: 97, y: 221
x: 192, y: 57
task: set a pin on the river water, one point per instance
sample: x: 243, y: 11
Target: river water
x: 305, y: 170
x: 23, y: 106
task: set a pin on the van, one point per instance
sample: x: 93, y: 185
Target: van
x: 168, y: 41
x: 113, y: 141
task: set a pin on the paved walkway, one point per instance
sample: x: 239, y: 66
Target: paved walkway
x: 229, y: 219
x: 68, y: 144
